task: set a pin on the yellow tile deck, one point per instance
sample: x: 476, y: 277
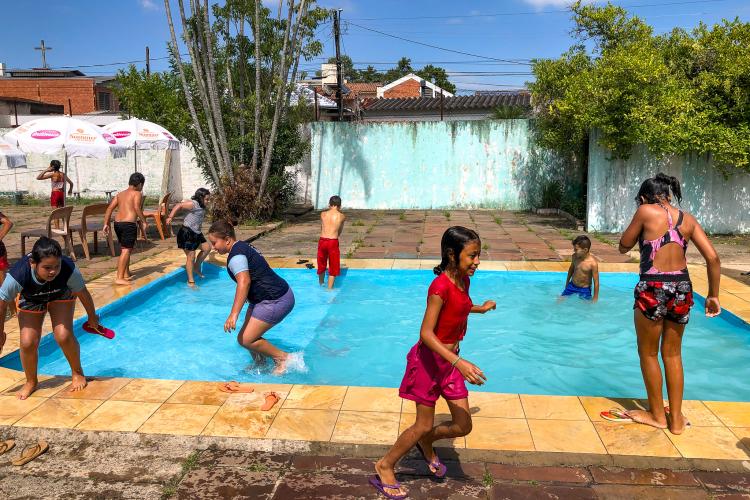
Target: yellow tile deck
x: 371, y: 415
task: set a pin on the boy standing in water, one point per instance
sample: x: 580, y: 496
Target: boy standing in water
x: 583, y: 270
x: 329, y: 255
x: 129, y: 207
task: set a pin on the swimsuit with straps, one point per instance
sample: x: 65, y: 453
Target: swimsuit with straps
x: 663, y: 294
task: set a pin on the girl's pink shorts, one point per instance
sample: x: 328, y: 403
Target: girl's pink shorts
x: 428, y: 376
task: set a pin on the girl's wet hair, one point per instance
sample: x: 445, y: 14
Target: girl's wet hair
x: 45, y: 247
x: 200, y: 196
x: 222, y: 229
x: 55, y: 164
x: 452, y: 244
x: 658, y: 188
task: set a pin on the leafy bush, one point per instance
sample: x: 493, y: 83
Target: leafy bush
x: 552, y: 194
x: 238, y: 201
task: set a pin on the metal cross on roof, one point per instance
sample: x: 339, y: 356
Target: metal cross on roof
x: 44, y: 50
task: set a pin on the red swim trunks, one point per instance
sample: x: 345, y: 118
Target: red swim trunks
x: 57, y: 199
x: 428, y: 376
x: 329, y: 256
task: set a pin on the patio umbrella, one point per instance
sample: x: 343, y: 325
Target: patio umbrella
x: 77, y: 138
x: 138, y: 134
x: 14, y: 157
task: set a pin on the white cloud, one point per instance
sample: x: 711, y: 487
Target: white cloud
x: 148, y: 4
x: 454, y: 20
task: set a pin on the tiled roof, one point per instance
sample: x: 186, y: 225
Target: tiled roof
x: 363, y: 86
x: 452, y: 103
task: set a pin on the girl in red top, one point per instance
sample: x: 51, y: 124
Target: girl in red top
x: 433, y: 366
x: 58, y: 180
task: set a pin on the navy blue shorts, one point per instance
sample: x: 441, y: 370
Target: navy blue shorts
x: 583, y: 292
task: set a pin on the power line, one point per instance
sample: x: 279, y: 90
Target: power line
x: 437, y: 47
x: 524, y: 13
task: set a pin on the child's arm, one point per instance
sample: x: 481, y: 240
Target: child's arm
x: 630, y: 237
x: 88, y: 303
x: 184, y: 205
x: 571, y: 269
x: 108, y: 213
x: 341, y: 227
x: 595, y: 277
x: 470, y: 372
x: 7, y: 225
x: 138, y: 201
x: 487, y: 306
x: 713, y: 268
x: 240, y: 296
x: 45, y: 175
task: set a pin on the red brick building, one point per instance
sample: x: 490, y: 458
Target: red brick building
x: 76, y: 92
x: 411, y: 85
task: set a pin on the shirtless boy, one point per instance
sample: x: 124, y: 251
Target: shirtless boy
x: 583, y: 270
x: 331, y: 224
x: 128, y: 204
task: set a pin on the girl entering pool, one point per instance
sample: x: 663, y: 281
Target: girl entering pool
x: 270, y: 297
x: 434, y: 367
x: 190, y: 237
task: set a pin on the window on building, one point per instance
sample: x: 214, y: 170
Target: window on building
x: 104, y: 101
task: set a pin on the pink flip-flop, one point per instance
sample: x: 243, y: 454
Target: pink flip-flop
x: 102, y: 330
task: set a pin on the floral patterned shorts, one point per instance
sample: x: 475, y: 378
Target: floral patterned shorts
x: 669, y: 300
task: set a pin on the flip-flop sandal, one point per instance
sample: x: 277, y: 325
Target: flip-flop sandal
x: 302, y: 261
x: 617, y: 415
x: 234, y: 387
x: 101, y: 330
x: 381, y: 487
x: 271, y: 399
x: 309, y: 266
x: 6, y: 446
x: 437, y: 467
x: 30, y: 453
x: 687, y: 422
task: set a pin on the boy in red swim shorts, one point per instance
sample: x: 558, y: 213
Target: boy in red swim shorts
x: 5, y: 226
x: 329, y: 255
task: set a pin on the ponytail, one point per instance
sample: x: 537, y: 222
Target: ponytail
x: 656, y: 188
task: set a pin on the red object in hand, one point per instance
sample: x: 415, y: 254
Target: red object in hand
x: 103, y: 331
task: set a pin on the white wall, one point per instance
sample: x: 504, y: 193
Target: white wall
x: 175, y: 171
x: 721, y: 205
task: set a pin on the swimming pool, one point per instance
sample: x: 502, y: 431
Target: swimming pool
x: 359, y: 334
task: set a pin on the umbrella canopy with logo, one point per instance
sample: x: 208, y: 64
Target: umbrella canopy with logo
x: 14, y: 157
x: 77, y: 138
x: 138, y: 134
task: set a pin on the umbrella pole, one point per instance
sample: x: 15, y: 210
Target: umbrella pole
x: 65, y: 171
x: 135, y: 156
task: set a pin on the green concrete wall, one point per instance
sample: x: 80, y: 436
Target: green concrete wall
x: 456, y: 164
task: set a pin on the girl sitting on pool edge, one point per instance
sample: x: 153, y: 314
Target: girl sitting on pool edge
x: 434, y: 367
x: 270, y: 297
x: 42, y: 281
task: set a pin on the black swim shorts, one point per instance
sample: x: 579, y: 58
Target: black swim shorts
x: 127, y: 234
x: 189, y: 240
x: 31, y: 306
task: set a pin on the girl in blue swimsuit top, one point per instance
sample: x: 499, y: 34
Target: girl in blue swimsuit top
x: 664, y: 294
x: 270, y: 298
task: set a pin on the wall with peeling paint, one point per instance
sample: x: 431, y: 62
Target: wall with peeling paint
x: 721, y: 205
x: 488, y: 163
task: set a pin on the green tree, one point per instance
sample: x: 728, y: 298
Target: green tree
x: 675, y: 93
x: 438, y: 76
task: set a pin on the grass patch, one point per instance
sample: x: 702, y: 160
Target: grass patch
x: 447, y: 215
x: 487, y: 479
x: 358, y: 223
x: 297, y: 252
x: 485, y: 246
x: 257, y: 467
x: 602, y: 238
x: 190, y: 463
x: 565, y: 233
x: 402, y: 216
x: 498, y: 220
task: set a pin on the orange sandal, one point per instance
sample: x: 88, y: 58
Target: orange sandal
x: 234, y: 387
x: 271, y: 399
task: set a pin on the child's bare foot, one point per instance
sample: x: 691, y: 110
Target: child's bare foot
x: 27, y: 389
x: 120, y: 281
x: 677, y: 425
x: 78, y: 383
x: 388, y: 476
x: 647, y: 418
x: 200, y: 274
x: 281, y: 367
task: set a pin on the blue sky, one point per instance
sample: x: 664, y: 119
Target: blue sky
x: 83, y: 33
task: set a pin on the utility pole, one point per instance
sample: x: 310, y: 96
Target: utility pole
x: 44, y: 50
x: 339, y: 79
x: 148, y: 62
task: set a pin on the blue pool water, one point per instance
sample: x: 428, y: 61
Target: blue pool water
x: 359, y: 334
